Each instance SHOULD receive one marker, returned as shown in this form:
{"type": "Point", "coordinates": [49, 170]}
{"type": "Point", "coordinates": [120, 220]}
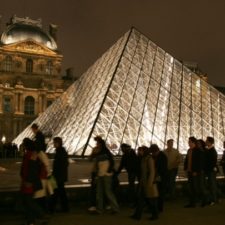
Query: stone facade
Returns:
{"type": "Point", "coordinates": [30, 74]}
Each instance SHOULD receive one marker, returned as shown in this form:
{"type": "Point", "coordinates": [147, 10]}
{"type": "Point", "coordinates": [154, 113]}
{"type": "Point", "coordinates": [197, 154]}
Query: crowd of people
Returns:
{"type": "Point", "coordinates": [8, 150]}
{"type": "Point", "coordinates": [151, 177]}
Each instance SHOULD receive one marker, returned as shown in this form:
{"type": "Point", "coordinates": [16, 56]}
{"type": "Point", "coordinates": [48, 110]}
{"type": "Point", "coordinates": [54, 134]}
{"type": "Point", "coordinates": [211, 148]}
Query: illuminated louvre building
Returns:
{"type": "Point", "coordinates": [30, 73]}
{"type": "Point", "coordinates": [135, 93]}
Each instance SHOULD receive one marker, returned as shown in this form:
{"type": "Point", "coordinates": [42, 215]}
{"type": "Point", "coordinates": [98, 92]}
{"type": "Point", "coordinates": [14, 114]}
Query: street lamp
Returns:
{"type": "Point", "coordinates": [3, 139]}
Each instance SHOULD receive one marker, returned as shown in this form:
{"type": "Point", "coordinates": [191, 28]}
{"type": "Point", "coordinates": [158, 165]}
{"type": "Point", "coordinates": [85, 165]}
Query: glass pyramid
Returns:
{"type": "Point", "coordinates": [138, 94]}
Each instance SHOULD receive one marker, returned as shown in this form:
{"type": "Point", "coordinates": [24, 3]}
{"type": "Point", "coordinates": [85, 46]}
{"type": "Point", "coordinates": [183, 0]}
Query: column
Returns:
{"type": "Point", "coordinates": [16, 102]}
{"type": "Point", "coordinates": [39, 104]}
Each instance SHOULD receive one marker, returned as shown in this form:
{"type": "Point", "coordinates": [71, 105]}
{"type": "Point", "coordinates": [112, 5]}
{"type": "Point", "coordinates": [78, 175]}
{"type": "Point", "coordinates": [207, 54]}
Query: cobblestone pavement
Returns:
{"type": "Point", "coordinates": [174, 214]}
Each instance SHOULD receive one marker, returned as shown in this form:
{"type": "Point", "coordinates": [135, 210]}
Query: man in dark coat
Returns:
{"type": "Point", "coordinates": [193, 165]}
{"type": "Point", "coordinates": [39, 138]}
{"type": "Point", "coordinates": [129, 162]}
{"type": "Point", "coordinates": [60, 172]}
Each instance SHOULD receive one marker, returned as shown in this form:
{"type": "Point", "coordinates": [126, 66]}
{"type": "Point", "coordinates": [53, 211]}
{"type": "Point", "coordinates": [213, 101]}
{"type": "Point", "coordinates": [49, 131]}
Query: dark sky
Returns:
{"type": "Point", "coordinates": [192, 30]}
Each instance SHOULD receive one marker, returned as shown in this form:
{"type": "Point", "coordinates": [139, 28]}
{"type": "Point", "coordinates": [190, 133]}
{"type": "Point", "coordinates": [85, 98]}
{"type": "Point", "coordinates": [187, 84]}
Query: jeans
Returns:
{"type": "Point", "coordinates": [196, 188]}
{"type": "Point", "coordinates": [171, 182]}
{"type": "Point", "coordinates": [60, 193]}
{"type": "Point", "coordinates": [152, 203]}
{"type": "Point", "coordinates": [131, 187]}
{"type": "Point", "coordinates": [104, 188]}
{"type": "Point", "coordinates": [212, 185]}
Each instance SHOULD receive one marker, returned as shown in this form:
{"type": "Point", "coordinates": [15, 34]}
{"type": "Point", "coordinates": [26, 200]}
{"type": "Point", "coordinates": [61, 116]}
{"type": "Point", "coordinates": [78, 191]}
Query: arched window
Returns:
{"type": "Point", "coordinates": [49, 67]}
{"type": "Point", "coordinates": [8, 63]}
{"type": "Point", "coordinates": [29, 105]}
{"type": "Point", "coordinates": [29, 66]}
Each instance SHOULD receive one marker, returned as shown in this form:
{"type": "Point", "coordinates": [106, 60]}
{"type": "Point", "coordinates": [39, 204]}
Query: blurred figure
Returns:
{"type": "Point", "coordinates": [174, 159]}
{"type": "Point", "coordinates": [147, 188]}
{"type": "Point", "coordinates": [161, 164]}
{"type": "Point", "coordinates": [60, 172]}
{"type": "Point", "coordinates": [129, 162]}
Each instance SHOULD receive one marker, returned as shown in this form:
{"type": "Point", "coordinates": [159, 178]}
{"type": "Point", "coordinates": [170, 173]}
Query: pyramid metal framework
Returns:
{"type": "Point", "coordinates": [136, 93]}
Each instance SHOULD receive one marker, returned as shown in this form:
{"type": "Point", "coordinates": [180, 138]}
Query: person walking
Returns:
{"type": "Point", "coordinates": [129, 161]}
{"type": "Point", "coordinates": [104, 170]}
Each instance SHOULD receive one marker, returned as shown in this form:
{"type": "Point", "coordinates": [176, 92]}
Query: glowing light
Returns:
{"type": "Point", "coordinates": [198, 83]}
{"type": "Point", "coordinates": [3, 139]}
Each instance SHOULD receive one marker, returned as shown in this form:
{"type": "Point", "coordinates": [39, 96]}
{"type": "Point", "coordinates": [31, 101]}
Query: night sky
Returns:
{"type": "Point", "coordinates": [191, 30]}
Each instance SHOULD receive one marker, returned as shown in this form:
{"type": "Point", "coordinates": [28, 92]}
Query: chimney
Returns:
{"type": "Point", "coordinates": [53, 31]}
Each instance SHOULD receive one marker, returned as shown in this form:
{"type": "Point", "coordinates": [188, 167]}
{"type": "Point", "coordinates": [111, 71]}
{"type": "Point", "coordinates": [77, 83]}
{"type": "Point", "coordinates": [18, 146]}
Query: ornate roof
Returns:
{"type": "Point", "coordinates": [21, 29]}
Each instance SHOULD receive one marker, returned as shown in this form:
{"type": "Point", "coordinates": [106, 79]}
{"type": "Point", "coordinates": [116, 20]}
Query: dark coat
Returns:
{"type": "Point", "coordinates": [147, 181]}
{"type": "Point", "coordinates": [161, 163]}
{"type": "Point", "coordinates": [39, 141]}
{"type": "Point", "coordinates": [222, 162]}
{"type": "Point", "coordinates": [60, 165]}
{"type": "Point", "coordinates": [197, 164]}
{"type": "Point", "coordinates": [210, 160]}
{"type": "Point", "coordinates": [129, 161]}
{"type": "Point", "coordinates": [29, 173]}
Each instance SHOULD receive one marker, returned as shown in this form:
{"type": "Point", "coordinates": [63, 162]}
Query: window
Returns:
{"type": "Point", "coordinates": [49, 67]}
{"type": "Point", "coordinates": [29, 66]}
{"type": "Point", "coordinates": [7, 64]}
{"type": "Point", "coordinates": [7, 104]}
{"type": "Point", "coordinates": [29, 105]}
